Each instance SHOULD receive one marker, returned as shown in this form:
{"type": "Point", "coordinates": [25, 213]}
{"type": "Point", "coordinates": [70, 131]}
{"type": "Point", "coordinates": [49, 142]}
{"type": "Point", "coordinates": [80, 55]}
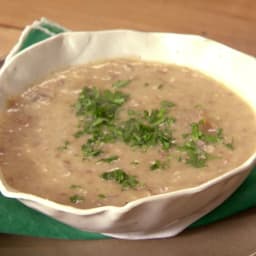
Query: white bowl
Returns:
{"type": "Point", "coordinates": [156, 216]}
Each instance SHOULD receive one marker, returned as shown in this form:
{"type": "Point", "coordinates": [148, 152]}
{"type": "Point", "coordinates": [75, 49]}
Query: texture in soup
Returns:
{"type": "Point", "coordinates": [111, 132]}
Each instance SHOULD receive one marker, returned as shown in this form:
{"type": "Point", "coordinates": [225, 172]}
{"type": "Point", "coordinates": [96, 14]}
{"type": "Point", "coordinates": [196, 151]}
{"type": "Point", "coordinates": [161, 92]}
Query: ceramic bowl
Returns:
{"type": "Point", "coordinates": [156, 216]}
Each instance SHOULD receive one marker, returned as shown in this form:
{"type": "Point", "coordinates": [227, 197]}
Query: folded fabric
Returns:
{"type": "Point", "coordinates": [15, 218]}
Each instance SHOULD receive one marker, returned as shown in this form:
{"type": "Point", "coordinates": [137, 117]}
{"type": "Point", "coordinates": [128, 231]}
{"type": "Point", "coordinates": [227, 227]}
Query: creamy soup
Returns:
{"type": "Point", "coordinates": [111, 132]}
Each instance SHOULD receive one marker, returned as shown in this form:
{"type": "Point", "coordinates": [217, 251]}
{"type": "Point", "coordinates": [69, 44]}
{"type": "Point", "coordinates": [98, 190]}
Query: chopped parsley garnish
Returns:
{"type": "Point", "coordinates": [195, 156]}
{"type": "Point", "coordinates": [99, 107]}
{"type": "Point", "coordinates": [137, 133]}
{"type": "Point", "coordinates": [195, 141]}
{"type": "Point", "coordinates": [109, 159]}
{"type": "Point", "coordinates": [154, 166]}
{"type": "Point", "coordinates": [157, 164]}
{"type": "Point", "coordinates": [150, 128]}
{"type": "Point", "coordinates": [120, 83]}
{"type": "Point", "coordinates": [198, 134]}
{"type": "Point", "coordinates": [90, 150]}
{"type": "Point", "coordinates": [75, 199]}
{"type": "Point", "coordinates": [121, 177]}
{"type": "Point", "coordinates": [98, 112]}
{"type": "Point", "coordinates": [230, 145]}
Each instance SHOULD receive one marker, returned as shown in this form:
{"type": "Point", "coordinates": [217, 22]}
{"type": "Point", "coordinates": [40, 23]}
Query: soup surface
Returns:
{"type": "Point", "coordinates": [111, 132]}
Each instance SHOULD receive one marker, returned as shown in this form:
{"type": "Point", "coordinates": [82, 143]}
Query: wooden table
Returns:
{"type": "Point", "coordinates": [232, 22]}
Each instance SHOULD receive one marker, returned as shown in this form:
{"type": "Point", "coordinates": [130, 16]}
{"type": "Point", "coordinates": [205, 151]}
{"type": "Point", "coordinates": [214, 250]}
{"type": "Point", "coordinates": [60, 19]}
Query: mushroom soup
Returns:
{"type": "Point", "coordinates": [111, 132]}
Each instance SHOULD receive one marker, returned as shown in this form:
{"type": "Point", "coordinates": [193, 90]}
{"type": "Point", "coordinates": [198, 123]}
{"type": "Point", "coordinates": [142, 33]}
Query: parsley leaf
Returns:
{"type": "Point", "coordinates": [109, 159]}
{"type": "Point", "coordinates": [121, 177]}
{"type": "Point", "coordinates": [90, 150]}
{"type": "Point", "coordinates": [75, 199]}
{"type": "Point", "coordinates": [93, 104]}
{"type": "Point", "coordinates": [154, 166]}
{"type": "Point", "coordinates": [195, 156]}
{"type": "Point", "coordinates": [198, 134]}
{"type": "Point", "coordinates": [149, 128]}
{"type": "Point", "coordinates": [157, 164]}
{"type": "Point", "coordinates": [230, 145]}
{"type": "Point", "coordinates": [98, 114]}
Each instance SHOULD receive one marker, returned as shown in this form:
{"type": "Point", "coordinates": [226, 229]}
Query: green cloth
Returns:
{"type": "Point", "coordinates": [15, 218]}
{"type": "Point", "coordinates": [43, 31]}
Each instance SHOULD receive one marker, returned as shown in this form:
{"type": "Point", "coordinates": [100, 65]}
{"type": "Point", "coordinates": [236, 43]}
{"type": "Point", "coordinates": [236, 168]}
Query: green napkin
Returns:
{"type": "Point", "coordinates": [15, 218]}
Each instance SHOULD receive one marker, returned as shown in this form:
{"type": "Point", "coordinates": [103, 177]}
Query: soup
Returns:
{"type": "Point", "coordinates": [111, 132]}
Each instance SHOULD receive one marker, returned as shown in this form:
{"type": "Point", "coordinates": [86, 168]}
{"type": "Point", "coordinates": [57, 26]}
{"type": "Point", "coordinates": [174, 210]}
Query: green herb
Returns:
{"type": "Point", "coordinates": [102, 196]}
{"type": "Point", "coordinates": [157, 116]}
{"type": "Point", "coordinates": [137, 133]}
{"type": "Point", "coordinates": [213, 138]}
{"type": "Point", "coordinates": [90, 150]}
{"type": "Point", "coordinates": [64, 146]}
{"type": "Point", "coordinates": [98, 114]}
{"type": "Point", "coordinates": [73, 186]}
{"type": "Point", "coordinates": [121, 177]}
{"type": "Point", "coordinates": [157, 164]}
{"type": "Point", "coordinates": [94, 104]}
{"type": "Point", "coordinates": [75, 199]}
{"type": "Point", "coordinates": [109, 159]}
{"type": "Point", "coordinates": [121, 83]}
{"type": "Point", "coordinates": [195, 156]}
{"type": "Point", "coordinates": [198, 134]}
{"type": "Point", "coordinates": [149, 128]}
{"type": "Point", "coordinates": [230, 145]}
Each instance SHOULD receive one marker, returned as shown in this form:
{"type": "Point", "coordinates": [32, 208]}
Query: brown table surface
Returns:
{"type": "Point", "coordinates": [232, 22]}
